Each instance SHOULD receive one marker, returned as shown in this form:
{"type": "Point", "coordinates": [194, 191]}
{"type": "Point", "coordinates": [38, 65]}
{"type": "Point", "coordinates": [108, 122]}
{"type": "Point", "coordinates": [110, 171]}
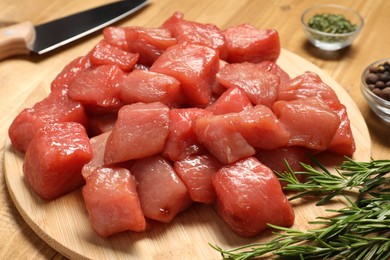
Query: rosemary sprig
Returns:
{"type": "Point", "coordinates": [361, 230]}
{"type": "Point", "coordinates": [368, 176]}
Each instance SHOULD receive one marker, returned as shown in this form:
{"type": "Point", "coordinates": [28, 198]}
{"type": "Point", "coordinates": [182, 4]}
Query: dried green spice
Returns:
{"type": "Point", "coordinates": [331, 23]}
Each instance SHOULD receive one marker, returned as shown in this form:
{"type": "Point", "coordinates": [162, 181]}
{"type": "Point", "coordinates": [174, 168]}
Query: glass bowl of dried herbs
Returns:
{"type": "Point", "coordinates": [331, 27]}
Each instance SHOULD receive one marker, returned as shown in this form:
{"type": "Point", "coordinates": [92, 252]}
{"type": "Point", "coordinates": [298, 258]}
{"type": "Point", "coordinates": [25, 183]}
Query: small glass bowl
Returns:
{"type": "Point", "coordinates": [380, 106]}
{"type": "Point", "coordinates": [331, 41]}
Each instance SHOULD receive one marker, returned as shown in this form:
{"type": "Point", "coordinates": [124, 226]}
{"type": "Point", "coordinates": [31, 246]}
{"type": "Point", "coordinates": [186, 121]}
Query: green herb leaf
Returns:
{"type": "Point", "coordinates": [331, 23]}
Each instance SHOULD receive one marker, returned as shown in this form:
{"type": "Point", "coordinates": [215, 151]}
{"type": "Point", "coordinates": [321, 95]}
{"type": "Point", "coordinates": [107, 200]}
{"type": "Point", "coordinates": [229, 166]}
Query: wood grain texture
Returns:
{"type": "Point", "coordinates": [16, 39]}
{"type": "Point", "coordinates": [24, 77]}
{"type": "Point", "coordinates": [63, 223]}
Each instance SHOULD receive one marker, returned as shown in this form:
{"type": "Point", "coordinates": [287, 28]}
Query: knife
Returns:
{"type": "Point", "coordinates": [24, 38]}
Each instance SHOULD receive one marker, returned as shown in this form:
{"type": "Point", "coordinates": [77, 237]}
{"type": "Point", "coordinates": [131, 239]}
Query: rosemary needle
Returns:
{"type": "Point", "coordinates": [361, 230]}
{"type": "Point", "coordinates": [368, 176]}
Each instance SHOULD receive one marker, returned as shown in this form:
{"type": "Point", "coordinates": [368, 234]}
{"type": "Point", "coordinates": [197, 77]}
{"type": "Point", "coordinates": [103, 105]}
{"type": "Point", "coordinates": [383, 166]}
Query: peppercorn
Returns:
{"type": "Point", "coordinates": [386, 93]}
{"type": "Point", "coordinates": [378, 80]}
{"type": "Point", "coordinates": [385, 76]}
{"type": "Point", "coordinates": [372, 69]}
{"type": "Point", "coordinates": [371, 78]}
{"type": "Point", "coordinates": [376, 91]}
{"type": "Point", "coordinates": [380, 84]}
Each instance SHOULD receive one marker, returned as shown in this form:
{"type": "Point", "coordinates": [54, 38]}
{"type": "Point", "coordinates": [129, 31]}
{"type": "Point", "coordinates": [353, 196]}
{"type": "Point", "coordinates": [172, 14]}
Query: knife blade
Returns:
{"type": "Point", "coordinates": [25, 38]}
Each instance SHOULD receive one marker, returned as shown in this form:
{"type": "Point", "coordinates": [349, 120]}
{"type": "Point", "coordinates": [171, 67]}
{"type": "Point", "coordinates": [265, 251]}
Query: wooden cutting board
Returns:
{"type": "Point", "coordinates": [63, 223]}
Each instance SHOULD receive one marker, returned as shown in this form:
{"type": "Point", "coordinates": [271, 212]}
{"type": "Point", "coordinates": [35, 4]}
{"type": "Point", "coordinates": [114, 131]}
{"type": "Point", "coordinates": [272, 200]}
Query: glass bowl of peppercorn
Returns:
{"type": "Point", "coordinates": [375, 88]}
{"type": "Point", "coordinates": [331, 27]}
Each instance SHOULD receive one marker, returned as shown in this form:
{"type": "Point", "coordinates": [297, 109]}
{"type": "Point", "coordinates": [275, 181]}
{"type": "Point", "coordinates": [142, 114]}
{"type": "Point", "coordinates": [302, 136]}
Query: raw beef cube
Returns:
{"type": "Point", "coordinates": [222, 138]}
{"type": "Point", "coordinates": [56, 107]}
{"type": "Point", "coordinates": [116, 36]}
{"type": "Point", "coordinates": [218, 89]}
{"type": "Point", "coordinates": [150, 43]}
{"type": "Point", "coordinates": [276, 159]}
{"type": "Point", "coordinates": [55, 157]}
{"type": "Point", "coordinates": [98, 88]}
{"type": "Point", "coordinates": [161, 192]}
{"type": "Point", "coordinates": [98, 145]}
{"type": "Point", "coordinates": [105, 54]}
{"type": "Point", "coordinates": [101, 123]}
{"type": "Point", "coordinates": [196, 172]}
{"type": "Point", "coordinates": [249, 197]}
{"type": "Point", "coordinates": [69, 73]}
{"type": "Point", "coordinates": [111, 198]}
{"type": "Point", "coordinates": [194, 66]}
{"type": "Point", "coordinates": [311, 122]}
{"type": "Point", "coordinates": [309, 85]}
{"type": "Point", "coordinates": [260, 86]}
{"type": "Point", "coordinates": [146, 86]}
{"type": "Point", "coordinates": [232, 100]}
{"type": "Point", "coordinates": [182, 140]}
{"type": "Point", "coordinates": [172, 21]}
{"type": "Point", "coordinates": [343, 142]}
{"type": "Point", "coordinates": [140, 131]}
{"type": "Point", "coordinates": [200, 33]}
{"type": "Point", "coordinates": [273, 68]}
{"type": "Point", "coordinates": [247, 43]}
{"type": "Point", "coordinates": [260, 127]}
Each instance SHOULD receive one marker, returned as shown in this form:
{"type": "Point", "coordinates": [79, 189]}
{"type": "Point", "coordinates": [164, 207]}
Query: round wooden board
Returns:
{"type": "Point", "coordinates": [63, 223]}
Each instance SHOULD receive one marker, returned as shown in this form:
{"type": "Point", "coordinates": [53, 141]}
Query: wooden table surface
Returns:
{"type": "Point", "coordinates": [19, 76]}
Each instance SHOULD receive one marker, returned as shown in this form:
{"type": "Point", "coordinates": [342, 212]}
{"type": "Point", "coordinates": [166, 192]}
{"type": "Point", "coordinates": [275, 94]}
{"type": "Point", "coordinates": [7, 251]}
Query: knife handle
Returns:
{"type": "Point", "coordinates": [16, 39]}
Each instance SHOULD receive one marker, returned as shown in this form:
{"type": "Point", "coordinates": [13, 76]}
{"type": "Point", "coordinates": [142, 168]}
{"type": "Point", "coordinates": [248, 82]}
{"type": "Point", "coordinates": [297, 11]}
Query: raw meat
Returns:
{"type": "Point", "coordinates": [105, 54]}
{"type": "Point", "coordinates": [56, 107]}
{"type": "Point", "coordinates": [55, 157]}
{"type": "Point", "coordinates": [247, 43]}
{"type": "Point", "coordinates": [101, 123]}
{"type": "Point", "coordinates": [146, 86]}
{"type": "Point", "coordinates": [309, 85]}
{"type": "Point", "coordinates": [276, 159]}
{"type": "Point", "coordinates": [222, 138]}
{"type": "Point", "coordinates": [182, 140]}
{"type": "Point", "coordinates": [161, 192]}
{"type": "Point", "coordinates": [311, 122]}
{"type": "Point", "coordinates": [343, 142]}
{"type": "Point", "coordinates": [217, 88]}
{"type": "Point", "coordinates": [259, 85]}
{"type": "Point", "coordinates": [196, 173]}
{"type": "Point", "coordinates": [260, 127]}
{"type": "Point", "coordinates": [249, 197]}
{"type": "Point", "coordinates": [112, 201]}
{"type": "Point", "coordinates": [182, 113]}
{"type": "Point", "coordinates": [199, 33]}
{"type": "Point", "coordinates": [98, 88]}
{"type": "Point", "coordinates": [98, 145]}
{"type": "Point", "coordinates": [69, 73]}
{"type": "Point", "coordinates": [273, 68]}
{"type": "Point", "coordinates": [194, 66]}
{"type": "Point", "coordinates": [116, 36]}
{"type": "Point", "coordinates": [232, 100]}
{"type": "Point", "coordinates": [233, 136]}
{"type": "Point", "coordinates": [150, 43]}
{"type": "Point", "coordinates": [139, 132]}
